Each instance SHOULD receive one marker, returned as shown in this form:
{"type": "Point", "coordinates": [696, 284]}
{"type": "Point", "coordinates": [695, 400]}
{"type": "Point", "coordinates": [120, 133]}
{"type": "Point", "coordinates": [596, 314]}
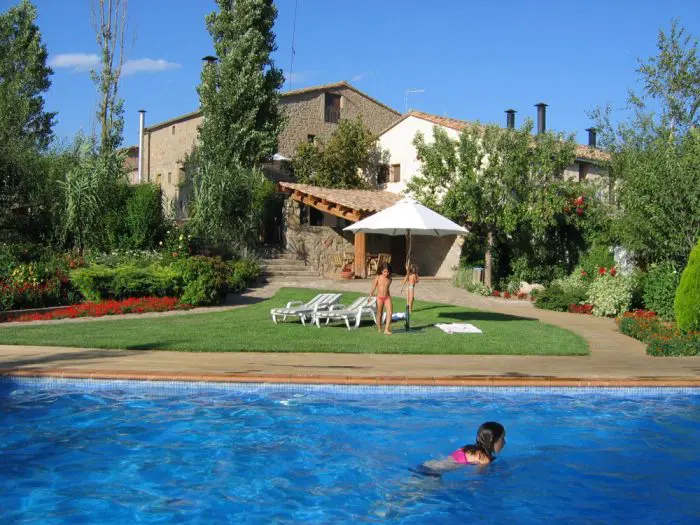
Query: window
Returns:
{"type": "Point", "coordinates": [395, 173]}
{"type": "Point", "coordinates": [173, 130]}
{"type": "Point", "coordinates": [311, 139]}
{"type": "Point", "coordinates": [303, 214]}
{"type": "Point", "coordinates": [383, 174]}
{"type": "Point", "coordinates": [158, 177]}
{"type": "Point", "coordinates": [332, 108]}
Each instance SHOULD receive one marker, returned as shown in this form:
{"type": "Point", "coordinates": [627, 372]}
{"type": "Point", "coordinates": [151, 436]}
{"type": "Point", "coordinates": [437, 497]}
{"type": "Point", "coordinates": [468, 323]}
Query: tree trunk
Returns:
{"type": "Point", "coordinates": [488, 259]}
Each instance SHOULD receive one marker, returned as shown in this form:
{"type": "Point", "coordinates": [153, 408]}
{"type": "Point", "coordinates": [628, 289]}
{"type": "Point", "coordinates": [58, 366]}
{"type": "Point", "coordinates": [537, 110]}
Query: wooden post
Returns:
{"type": "Point", "coordinates": [361, 255]}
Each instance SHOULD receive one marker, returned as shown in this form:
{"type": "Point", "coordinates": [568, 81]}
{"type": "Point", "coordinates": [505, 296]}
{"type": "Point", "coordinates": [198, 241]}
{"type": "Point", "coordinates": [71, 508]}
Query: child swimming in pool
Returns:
{"type": "Point", "coordinates": [381, 284]}
{"type": "Point", "coordinates": [490, 440]}
{"type": "Point", "coordinates": [412, 280]}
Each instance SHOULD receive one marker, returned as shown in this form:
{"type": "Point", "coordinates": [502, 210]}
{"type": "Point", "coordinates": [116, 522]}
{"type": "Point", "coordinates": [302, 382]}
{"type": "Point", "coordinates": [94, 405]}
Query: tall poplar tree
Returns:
{"type": "Point", "coordinates": [239, 92]}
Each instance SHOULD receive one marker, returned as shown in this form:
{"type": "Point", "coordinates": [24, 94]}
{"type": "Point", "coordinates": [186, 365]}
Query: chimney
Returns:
{"type": "Point", "coordinates": [592, 142]}
{"type": "Point", "coordinates": [510, 118]}
{"type": "Point", "coordinates": [142, 121]}
{"type": "Point", "coordinates": [208, 60]}
{"type": "Point", "coordinates": [541, 117]}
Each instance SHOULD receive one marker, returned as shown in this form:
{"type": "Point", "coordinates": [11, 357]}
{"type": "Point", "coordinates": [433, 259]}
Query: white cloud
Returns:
{"type": "Point", "coordinates": [86, 62]}
{"type": "Point", "coordinates": [357, 78]}
{"type": "Point", "coordinates": [148, 65]}
{"type": "Point", "coordinates": [75, 61]}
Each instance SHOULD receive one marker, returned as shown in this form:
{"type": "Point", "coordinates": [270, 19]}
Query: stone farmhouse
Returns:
{"type": "Point", "coordinates": [308, 221]}
{"type": "Point", "coordinates": [313, 113]}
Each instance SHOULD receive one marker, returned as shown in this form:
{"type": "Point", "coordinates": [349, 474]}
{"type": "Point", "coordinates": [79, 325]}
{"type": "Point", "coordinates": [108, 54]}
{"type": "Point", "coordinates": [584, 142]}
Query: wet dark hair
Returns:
{"type": "Point", "coordinates": [486, 438]}
{"type": "Point", "coordinates": [412, 268]}
{"type": "Point", "coordinates": [382, 267]}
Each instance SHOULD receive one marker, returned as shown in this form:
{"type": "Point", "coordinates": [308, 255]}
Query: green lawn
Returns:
{"type": "Point", "coordinates": [250, 329]}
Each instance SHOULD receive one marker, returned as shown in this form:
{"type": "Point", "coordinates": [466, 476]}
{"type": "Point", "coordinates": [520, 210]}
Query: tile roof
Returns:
{"type": "Point", "coordinates": [335, 85]}
{"type": "Point", "coordinates": [582, 152]}
{"type": "Point", "coordinates": [363, 201]}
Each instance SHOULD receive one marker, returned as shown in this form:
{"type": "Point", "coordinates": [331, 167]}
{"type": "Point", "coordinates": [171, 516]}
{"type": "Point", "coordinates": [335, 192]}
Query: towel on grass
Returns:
{"type": "Point", "coordinates": [458, 328]}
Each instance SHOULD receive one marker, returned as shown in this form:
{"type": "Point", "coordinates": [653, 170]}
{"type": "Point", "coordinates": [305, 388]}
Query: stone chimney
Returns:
{"type": "Point", "coordinates": [510, 118]}
{"type": "Point", "coordinates": [541, 117]}
{"type": "Point", "coordinates": [592, 142]}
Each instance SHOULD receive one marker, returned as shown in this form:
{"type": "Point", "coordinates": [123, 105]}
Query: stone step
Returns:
{"type": "Point", "coordinates": [293, 273]}
{"type": "Point", "coordinates": [285, 267]}
{"type": "Point", "coordinates": [281, 262]}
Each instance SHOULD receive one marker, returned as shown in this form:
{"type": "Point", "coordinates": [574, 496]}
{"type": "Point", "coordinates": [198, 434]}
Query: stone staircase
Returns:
{"type": "Point", "coordinates": [286, 266]}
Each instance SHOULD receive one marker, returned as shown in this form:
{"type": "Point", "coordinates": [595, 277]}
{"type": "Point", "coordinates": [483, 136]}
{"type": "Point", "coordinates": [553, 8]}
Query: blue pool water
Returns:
{"type": "Point", "coordinates": [121, 452]}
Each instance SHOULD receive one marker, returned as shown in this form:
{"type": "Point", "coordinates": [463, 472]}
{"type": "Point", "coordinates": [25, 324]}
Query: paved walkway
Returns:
{"type": "Point", "coordinates": [614, 358]}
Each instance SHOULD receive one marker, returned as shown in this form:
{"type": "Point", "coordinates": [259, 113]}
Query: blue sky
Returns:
{"type": "Point", "coordinates": [472, 59]}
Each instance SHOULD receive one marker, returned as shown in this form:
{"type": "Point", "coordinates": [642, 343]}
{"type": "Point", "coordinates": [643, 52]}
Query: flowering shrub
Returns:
{"type": "Point", "coordinates": [177, 243]}
{"type": "Point", "coordinates": [662, 338]}
{"type": "Point", "coordinates": [117, 258]}
{"type": "Point", "coordinates": [679, 345]}
{"type": "Point", "coordinates": [36, 285]}
{"type": "Point", "coordinates": [496, 293]}
{"type": "Point", "coordinates": [581, 308]}
{"type": "Point", "coordinates": [521, 295]}
{"type": "Point", "coordinates": [610, 295]}
{"type": "Point", "coordinates": [555, 298]}
{"type": "Point", "coordinates": [99, 309]}
{"type": "Point", "coordinates": [506, 295]}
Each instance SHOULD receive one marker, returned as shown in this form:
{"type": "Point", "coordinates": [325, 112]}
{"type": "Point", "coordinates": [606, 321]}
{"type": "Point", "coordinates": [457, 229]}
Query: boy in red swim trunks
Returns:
{"type": "Point", "coordinates": [382, 283]}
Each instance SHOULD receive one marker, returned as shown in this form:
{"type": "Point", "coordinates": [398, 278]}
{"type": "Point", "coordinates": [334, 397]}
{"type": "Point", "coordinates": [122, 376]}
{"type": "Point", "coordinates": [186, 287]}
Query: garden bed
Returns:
{"type": "Point", "coordinates": [98, 309]}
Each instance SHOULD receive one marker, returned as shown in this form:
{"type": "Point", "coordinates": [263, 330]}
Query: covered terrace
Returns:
{"type": "Point", "coordinates": [315, 217]}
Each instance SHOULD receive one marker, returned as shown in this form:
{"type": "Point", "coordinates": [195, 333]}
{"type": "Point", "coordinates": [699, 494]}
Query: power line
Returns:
{"type": "Point", "coordinates": [294, 29]}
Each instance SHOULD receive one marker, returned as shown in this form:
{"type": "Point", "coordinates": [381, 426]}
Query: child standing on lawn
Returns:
{"type": "Point", "coordinates": [381, 284]}
{"type": "Point", "coordinates": [412, 280]}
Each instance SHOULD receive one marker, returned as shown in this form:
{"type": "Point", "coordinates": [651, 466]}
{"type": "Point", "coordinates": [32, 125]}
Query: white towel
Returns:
{"type": "Point", "coordinates": [458, 328]}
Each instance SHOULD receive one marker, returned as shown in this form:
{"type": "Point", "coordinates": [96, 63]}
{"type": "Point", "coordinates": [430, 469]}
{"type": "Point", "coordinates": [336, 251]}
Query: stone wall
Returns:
{"type": "Point", "coordinates": [315, 245]}
{"type": "Point", "coordinates": [436, 256]}
{"type": "Point", "coordinates": [305, 113]}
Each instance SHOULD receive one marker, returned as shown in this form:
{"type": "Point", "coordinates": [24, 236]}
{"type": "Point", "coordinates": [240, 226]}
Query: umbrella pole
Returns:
{"type": "Point", "coordinates": [407, 323]}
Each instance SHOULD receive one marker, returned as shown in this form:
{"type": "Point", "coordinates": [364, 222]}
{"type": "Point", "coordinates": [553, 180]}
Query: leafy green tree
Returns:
{"type": "Point", "coordinates": [25, 126]}
{"type": "Point", "coordinates": [656, 154]}
{"type": "Point", "coordinates": [345, 161]}
{"type": "Point", "coordinates": [500, 180]}
{"type": "Point", "coordinates": [240, 91]}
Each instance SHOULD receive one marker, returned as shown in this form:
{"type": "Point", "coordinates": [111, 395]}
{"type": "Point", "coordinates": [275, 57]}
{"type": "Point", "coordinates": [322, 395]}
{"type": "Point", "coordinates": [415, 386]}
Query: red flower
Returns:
{"type": "Point", "coordinates": [601, 271]}
{"type": "Point", "coordinates": [174, 254]}
{"type": "Point", "coordinates": [579, 211]}
{"type": "Point", "coordinates": [613, 271]}
{"type": "Point", "coordinates": [579, 201]}
{"type": "Point", "coordinates": [583, 273]}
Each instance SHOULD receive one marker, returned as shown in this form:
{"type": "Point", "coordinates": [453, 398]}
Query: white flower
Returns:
{"type": "Point", "coordinates": [160, 243]}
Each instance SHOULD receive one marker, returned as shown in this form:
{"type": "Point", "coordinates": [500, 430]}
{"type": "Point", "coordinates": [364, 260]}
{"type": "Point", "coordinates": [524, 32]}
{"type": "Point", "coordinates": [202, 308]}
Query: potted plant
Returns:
{"type": "Point", "coordinates": [346, 272]}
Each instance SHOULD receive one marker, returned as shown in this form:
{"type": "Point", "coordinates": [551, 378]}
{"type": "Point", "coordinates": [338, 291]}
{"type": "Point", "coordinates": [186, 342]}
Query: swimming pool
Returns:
{"type": "Point", "coordinates": [124, 452]}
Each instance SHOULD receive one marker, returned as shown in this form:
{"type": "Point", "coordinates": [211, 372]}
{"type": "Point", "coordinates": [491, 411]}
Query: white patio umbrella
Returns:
{"type": "Point", "coordinates": [407, 217]}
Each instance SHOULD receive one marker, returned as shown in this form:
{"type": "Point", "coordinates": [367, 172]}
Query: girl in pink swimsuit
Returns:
{"type": "Point", "coordinates": [381, 284]}
{"type": "Point", "coordinates": [490, 440]}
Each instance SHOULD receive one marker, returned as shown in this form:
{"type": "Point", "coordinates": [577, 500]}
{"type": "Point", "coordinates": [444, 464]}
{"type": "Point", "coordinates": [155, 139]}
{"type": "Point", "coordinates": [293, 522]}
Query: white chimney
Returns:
{"type": "Point", "coordinates": [142, 120]}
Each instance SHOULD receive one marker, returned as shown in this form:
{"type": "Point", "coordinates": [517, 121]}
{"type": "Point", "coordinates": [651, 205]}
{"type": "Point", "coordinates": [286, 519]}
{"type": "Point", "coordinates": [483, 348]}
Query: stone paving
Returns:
{"type": "Point", "coordinates": [613, 357]}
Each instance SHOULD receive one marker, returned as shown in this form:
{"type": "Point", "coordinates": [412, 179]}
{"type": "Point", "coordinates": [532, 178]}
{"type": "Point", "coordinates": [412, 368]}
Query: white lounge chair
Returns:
{"type": "Point", "coordinates": [306, 310]}
{"type": "Point", "coordinates": [350, 314]}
